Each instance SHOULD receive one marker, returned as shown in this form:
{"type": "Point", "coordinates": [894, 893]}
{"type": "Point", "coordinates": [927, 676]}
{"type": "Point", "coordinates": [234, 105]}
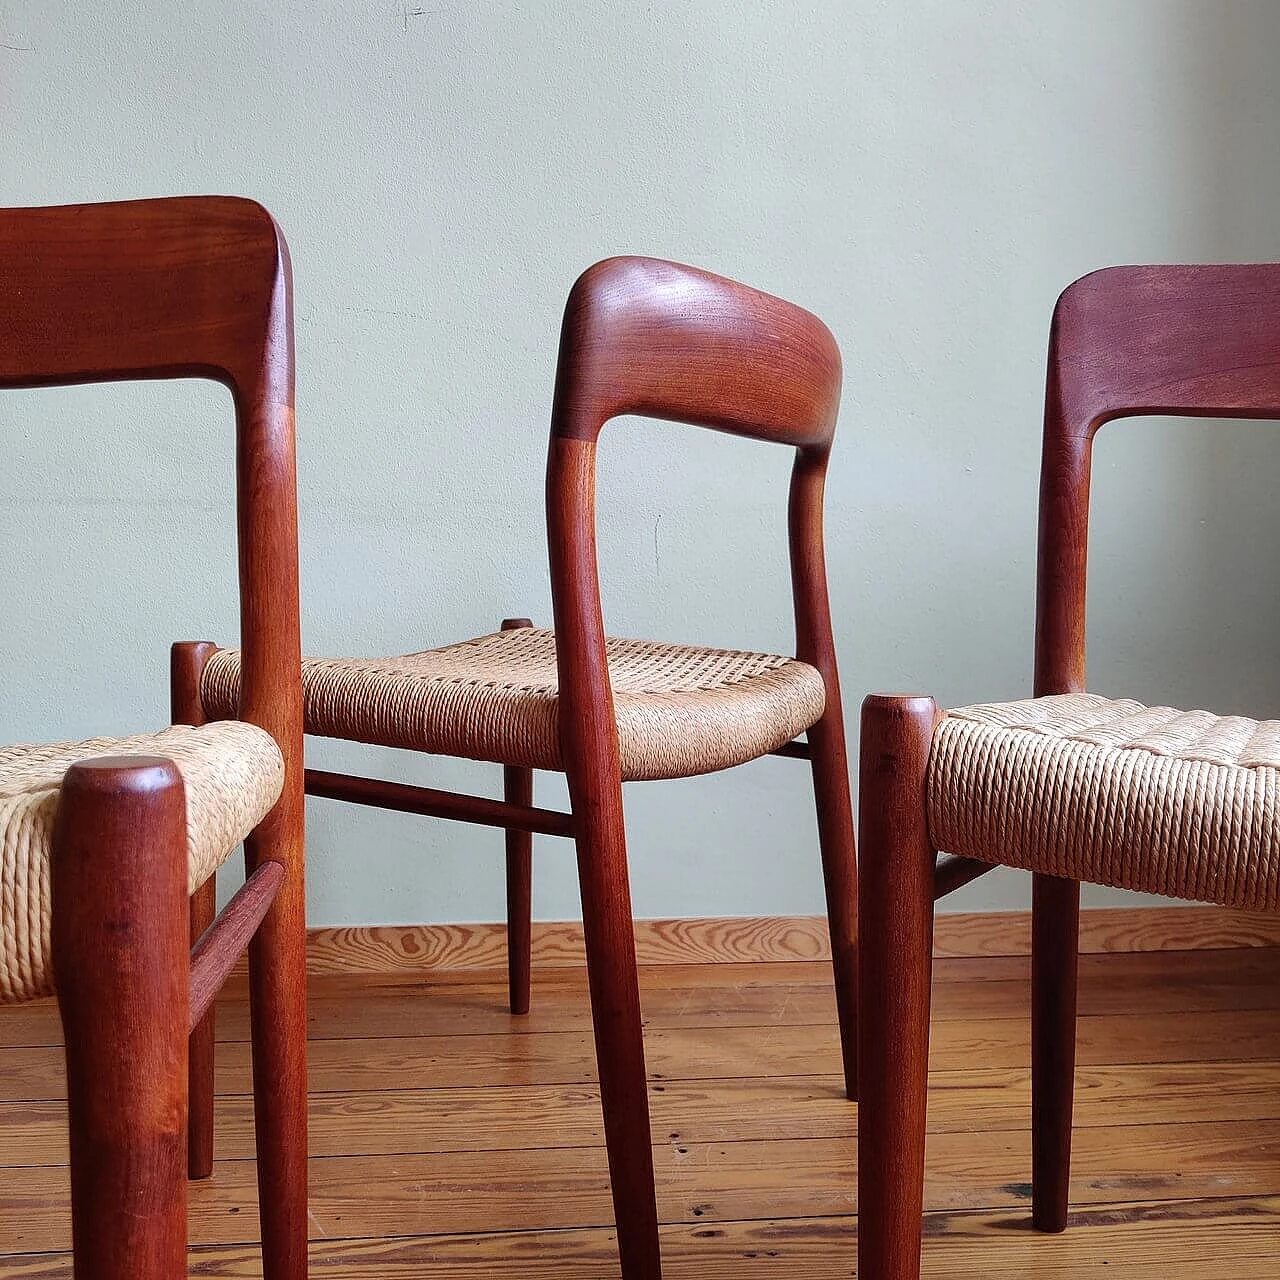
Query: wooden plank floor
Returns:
{"type": "Point", "coordinates": [450, 1139]}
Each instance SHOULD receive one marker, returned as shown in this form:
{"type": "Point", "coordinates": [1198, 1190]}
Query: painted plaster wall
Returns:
{"type": "Point", "coordinates": [925, 176]}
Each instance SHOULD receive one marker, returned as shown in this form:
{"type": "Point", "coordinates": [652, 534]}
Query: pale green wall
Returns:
{"type": "Point", "coordinates": [925, 176]}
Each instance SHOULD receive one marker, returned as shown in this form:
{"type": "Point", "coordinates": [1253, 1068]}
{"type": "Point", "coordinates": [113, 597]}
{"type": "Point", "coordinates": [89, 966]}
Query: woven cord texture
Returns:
{"type": "Point", "coordinates": [232, 772]}
{"type": "Point", "coordinates": [680, 710]}
{"type": "Point", "coordinates": [1116, 793]}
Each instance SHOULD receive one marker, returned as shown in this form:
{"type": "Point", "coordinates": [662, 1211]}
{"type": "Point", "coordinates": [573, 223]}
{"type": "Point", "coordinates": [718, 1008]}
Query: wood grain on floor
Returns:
{"type": "Point", "coordinates": [451, 1139]}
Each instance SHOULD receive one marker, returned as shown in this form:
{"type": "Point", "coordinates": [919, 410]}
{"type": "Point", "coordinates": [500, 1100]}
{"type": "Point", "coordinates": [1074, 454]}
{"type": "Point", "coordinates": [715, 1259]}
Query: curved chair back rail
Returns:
{"type": "Point", "coordinates": [1193, 341]}
{"type": "Point", "coordinates": [643, 336]}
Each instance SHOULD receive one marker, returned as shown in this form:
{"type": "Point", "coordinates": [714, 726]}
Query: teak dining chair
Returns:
{"type": "Point", "coordinates": [1068, 785]}
{"type": "Point", "coordinates": [103, 841]}
{"type": "Point", "coordinates": [640, 337]}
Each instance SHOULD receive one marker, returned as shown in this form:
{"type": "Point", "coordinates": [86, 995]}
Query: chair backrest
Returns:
{"type": "Point", "coordinates": [1196, 341]}
{"type": "Point", "coordinates": [667, 341]}
{"type": "Point", "coordinates": [188, 287]}
{"type": "Point", "coordinates": [643, 336]}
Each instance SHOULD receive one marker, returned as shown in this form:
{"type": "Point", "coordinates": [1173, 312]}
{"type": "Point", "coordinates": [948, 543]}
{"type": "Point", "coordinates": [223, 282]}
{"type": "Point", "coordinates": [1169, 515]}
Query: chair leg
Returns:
{"type": "Point", "coordinates": [1055, 930]}
{"type": "Point", "coordinates": [895, 965]}
{"type": "Point", "coordinates": [615, 1012]}
{"type": "Point", "coordinates": [840, 877]}
{"type": "Point", "coordinates": [119, 882]}
{"type": "Point", "coordinates": [187, 661]}
{"type": "Point", "coordinates": [517, 788]}
{"type": "Point", "coordinates": [200, 1052]}
{"type": "Point", "coordinates": [278, 1027]}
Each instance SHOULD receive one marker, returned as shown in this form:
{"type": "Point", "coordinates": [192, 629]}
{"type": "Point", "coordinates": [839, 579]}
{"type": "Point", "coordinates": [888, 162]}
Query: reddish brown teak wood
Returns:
{"type": "Point", "coordinates": [896, 906]}
{"type": "Point", "coordinates": [119, 878]}
{"type": "Point", "coordinates": [517, 789]}
{"type": "Point", "coordinates": [186, 665]}
{"type": "Point", "coordinates": [194, 287]}
{"type": "Point", "coordinates": [1197, 341]}
{"type": "Point", "coordinates": [642, 336]}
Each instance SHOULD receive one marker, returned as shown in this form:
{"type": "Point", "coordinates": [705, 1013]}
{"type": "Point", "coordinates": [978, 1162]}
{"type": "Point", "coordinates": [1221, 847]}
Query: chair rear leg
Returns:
{"type": "Point", "coordinates": [119, 881]}
{"type": "Point", "coordinates": [517, 788]}
{"type": "Point", "coordinates": [840, 877]}
{"type": "Point", "coordinates": [187, 661]}
{"type": "Point", "coordinates": [1055, 933]}
{"type": "Point", "coordinates": [895, 966]}
{"type": "Point", "coordinates": [615, 1012]}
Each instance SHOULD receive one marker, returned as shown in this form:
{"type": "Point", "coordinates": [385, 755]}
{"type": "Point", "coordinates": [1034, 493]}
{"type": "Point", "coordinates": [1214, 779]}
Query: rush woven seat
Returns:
{"type": "Point", "coordinates": [232, 774]}
{"type": "Point", "coordinates": [680, 710]}
{"type": "Point", "coordinates": [1183, 803]}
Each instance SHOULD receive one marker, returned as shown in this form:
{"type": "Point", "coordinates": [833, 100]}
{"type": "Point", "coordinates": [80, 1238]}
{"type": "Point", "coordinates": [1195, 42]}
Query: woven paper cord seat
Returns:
{"type": "Point", "coordinates": [232, 772]}
{"type": "Point", "coordinates": [1182, 803]}
{"type": "Point", "coordinates": [680, 710]}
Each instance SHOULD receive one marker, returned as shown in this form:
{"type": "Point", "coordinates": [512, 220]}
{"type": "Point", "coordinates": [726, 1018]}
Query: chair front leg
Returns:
{"type": "Point", "coordinates": [840, 877]}
{"type": "Point", "coordinates": [1055, 934]}
{"type": "Point", "coordinates": [895, 966]}
{"type": "Point", "coordinates": [615, 1013]}
{"type": "Point", "coordinates": [119, 881]}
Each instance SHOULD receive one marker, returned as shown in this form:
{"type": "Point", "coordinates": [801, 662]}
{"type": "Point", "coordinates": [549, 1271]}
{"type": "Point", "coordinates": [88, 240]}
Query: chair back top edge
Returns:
{"type": "Point", "coordinates": [1190, 340]}
{"type": "Point", "coordinates": [660, 339]}
{"type": "Point", "coordinates": [190, 286]}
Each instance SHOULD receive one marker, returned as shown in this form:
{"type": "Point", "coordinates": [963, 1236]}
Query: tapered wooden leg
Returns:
{"type": "Point", "coordinates": [278, 1026]}
{"type": "Point", "coordinates": [119, 882]}
{"type": "Point", "coordinates": [615, 1012]}
{"type": "Point", "coordinates": [840, 877]}
{"type": "Point", "coordinates": [517, 788]}
{"type": "Point", "coordinates": [1055, 931]}
{"type": "Point", "coordinates": [186, 666]}
{"type": "Point", "coordinates": [593, 769]}
{"type": "Point", "coordinates": [200, 1051]}
{"type": "Point", "coordinates": [895, 964]}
